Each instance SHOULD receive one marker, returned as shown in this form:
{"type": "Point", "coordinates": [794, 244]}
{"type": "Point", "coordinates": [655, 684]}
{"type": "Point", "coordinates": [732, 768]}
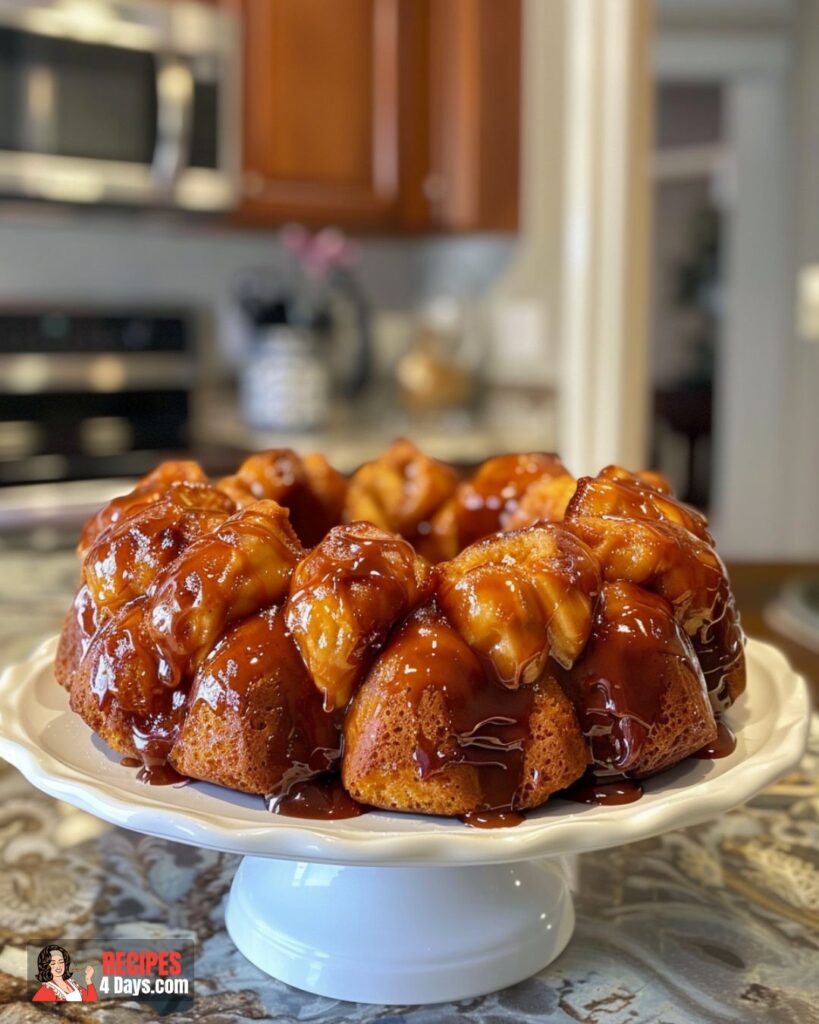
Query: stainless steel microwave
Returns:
{"type": "Point", "coordinates": [120, 101]}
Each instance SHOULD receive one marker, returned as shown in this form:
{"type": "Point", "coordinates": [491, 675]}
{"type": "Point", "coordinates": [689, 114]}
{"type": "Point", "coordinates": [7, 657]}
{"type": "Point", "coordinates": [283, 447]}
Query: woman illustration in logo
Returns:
{"type": "Point", "coordinates": [54, 971]}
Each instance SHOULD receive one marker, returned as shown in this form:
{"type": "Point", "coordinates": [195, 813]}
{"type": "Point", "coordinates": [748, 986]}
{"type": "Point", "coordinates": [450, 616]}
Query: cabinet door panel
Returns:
{"type": "Point", "coordinates": [321, 109]}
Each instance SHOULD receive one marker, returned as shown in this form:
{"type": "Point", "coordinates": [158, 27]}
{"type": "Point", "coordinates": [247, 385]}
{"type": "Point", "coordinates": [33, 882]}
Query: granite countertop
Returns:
{"type": "Point", "coordinates": [714, 923]}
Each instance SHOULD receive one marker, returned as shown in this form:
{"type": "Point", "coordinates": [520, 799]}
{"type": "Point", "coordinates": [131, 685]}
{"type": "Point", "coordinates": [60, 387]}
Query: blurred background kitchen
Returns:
{"type": "Point", "coordinates": [582, 225]}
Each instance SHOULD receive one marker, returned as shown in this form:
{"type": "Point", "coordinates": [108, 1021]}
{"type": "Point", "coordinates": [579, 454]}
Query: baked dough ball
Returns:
{"type": "Point", "coordinates": [345, 596]}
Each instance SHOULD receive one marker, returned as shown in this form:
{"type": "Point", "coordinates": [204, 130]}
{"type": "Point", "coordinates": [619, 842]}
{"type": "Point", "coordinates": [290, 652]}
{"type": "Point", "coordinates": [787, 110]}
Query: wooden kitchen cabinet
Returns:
{"type": "Point", "coordinates": [381, 114]}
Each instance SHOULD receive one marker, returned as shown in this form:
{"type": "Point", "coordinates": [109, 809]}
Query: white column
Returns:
{"type": "Point", "coordinates": [751, 435]}
{"type": "Point", "coordinates": [603, 298]}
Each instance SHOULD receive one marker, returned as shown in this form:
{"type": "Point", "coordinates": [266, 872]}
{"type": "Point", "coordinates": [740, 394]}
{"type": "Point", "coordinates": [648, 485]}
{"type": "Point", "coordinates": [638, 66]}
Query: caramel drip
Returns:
{"type": "Point", "coordinates": [720, 647]}
{"type": "Point", "coordinates": [125, 679]}
{"type": "Point", "coordinates": [619, 683]}
{"type": "Point", "coordinates": [486, 725]}
{"type": "Point", "coordinates": [255, 672]}
{"type": "Point", "coordinates": [666, 558]}
{"type": "Point", "coordinates": [154, 774]}
{"type": "Point", "coordinates": [723, 746]}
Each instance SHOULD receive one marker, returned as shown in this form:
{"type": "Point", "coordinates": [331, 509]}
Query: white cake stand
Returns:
{"type": "Point", "coordinates": [392, 908]}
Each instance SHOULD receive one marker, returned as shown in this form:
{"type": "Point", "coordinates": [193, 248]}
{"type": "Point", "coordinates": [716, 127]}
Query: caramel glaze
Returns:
{"type": "Point", "coordinates": [148, 490]}
{"type": "Point", "coordinates": [632, 497]}
{"type": "Point", "coordinates": [483, 503]}
{"type": "Point", "coordinates": [255, 673]}
{"type": "Point", "coordinates": [400, 491]}
{"type": "Point", "coordinates": [647, 477]}
{"type": "Point", "coordinates": [243, 565]}
{"type": "Point", "coordinates": [125, 677]}
{"type": "Point", "coordinates": [145, 653]}
{"type": "Point", "coordinates": [487, 725]}
{"type": "Point", "coordinates": [129, 555]}
{"type": "Point", "coordinates": [619, 683]}
{"type": "Point", "coordinates": [323, 799]}
{"type": "Point", "coordinates": [663, 556]}
{"type": "Point", "coordinates": [518, 597]}
{"type": "Point", "coordinates": [720, 646]}
{"type": "Point", "coordinates": [723, 746]}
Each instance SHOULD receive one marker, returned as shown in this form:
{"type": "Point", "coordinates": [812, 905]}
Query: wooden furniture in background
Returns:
{"type": "Point", "coordinates": [391, 114]}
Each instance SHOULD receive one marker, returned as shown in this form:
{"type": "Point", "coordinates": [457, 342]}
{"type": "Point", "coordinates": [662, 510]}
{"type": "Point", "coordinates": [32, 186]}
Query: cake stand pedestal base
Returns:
{"type": "Point", "coordinates": [400, 934]}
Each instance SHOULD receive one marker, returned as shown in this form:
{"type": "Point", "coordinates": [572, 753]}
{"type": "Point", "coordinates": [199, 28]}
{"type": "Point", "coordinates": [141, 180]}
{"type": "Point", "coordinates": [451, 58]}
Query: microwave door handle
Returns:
{"type": "Point", "coordinates": [174, 92]}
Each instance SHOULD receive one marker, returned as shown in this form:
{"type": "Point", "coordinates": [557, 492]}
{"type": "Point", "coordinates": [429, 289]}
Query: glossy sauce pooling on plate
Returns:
{"type": "Point", "coordinates": [723, 746]}
{"type": "Point", "coordinates": [493, 819]}
{"type": "Point", "coordinates": [604, 792]}
{"type": "Point", "coordinates": [322, 799]}
{"type": "Point", "coordinates": [486, 725]}
{"type": "Point", "coordinates": [161, 774]}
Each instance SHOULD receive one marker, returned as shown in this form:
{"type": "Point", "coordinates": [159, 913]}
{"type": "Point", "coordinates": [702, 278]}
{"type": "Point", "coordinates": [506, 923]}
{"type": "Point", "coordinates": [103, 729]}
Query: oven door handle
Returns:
{"type": "Point", "coordinates": [174, 94]}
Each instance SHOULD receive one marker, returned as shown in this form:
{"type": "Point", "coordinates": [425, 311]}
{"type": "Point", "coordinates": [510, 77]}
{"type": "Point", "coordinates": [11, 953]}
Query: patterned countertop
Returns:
{"type": "Point", "coordinates": [715, 923]}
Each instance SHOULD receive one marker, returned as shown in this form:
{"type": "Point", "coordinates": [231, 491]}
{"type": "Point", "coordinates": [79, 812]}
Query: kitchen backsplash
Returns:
{"type": "Point", "coordinates": [54, 257]}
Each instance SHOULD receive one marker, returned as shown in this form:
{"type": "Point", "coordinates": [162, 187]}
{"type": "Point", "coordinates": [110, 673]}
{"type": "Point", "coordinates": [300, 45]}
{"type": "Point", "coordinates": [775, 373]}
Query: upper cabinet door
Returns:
{"type": "Point", "coordinates": [474, 114]}
{"type": "Point", "coordinates": [382, 114]}
{"type": "Point", "coordinates": [321, 133]}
